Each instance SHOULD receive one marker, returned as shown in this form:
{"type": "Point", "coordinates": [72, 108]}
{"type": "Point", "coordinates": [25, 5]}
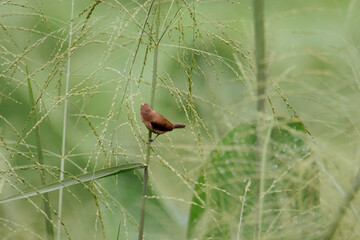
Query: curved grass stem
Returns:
{"type": "Point", "coordinates": [342, 208]}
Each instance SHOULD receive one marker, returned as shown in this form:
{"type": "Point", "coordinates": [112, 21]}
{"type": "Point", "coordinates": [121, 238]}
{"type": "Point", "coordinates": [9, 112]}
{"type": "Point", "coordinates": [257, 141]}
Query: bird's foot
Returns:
{"type": "Point", "coordinates": [151, 140]}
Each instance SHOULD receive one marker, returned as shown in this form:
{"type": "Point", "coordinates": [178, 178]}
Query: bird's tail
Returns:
{"type": "Point", "coordinates": [178, 125]}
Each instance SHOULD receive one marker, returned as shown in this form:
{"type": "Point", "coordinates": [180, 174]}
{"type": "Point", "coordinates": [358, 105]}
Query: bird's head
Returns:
{"type": "Point", "coordinates": [145, 107]}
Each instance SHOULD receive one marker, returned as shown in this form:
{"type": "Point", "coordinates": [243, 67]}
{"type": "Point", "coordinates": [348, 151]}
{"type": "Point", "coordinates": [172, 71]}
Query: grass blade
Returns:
{"type": "Point", "coordinates": [48, 220]}
{"type": "Point", "coordinates": [107, 172]}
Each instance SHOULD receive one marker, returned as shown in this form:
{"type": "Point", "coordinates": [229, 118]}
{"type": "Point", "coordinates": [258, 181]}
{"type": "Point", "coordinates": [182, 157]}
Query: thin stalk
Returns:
{"type": "Point", "coordinates": [261, 90]}
{"type": "Point", "coordinates": [242, 209]}
{"type": "Point", "coordinates": [62, 164]}
{"type": "Point", "coordinates": [262, 179]}
{"type": "Point", "coordinates": [142, 217]}
{"type": "Point", "coordinates": [156, 53]}
{"type": "Point", "coordinates": [260, 54]}
{"type": "Point", "coordinates": [341, 211]}
{"type": "Point", "coordinates": [118, 232]}
{"type": "Point", "coordinates": [48, 219]}
{"type": "Point", "coordinates": [140, 37]}
{"type": "Point", "coordinates": [152, 102]}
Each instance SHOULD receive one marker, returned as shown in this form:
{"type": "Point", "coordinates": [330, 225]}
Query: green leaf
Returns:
{"type": "Point", "coordinates": [220, 188]}
{"type": "Point", "coordinates": [107, 172]}
{"type": "Point", "coordinates": [48, 218]}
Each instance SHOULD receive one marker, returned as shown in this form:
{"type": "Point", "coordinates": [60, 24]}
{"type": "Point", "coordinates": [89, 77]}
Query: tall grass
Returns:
{"type": "Point", "coordinates": [268, 92]}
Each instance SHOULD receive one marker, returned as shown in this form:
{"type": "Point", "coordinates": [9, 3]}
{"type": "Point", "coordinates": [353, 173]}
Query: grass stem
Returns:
{"type": "Point", "coordinates": [62, 164]}
{"type": "Point", "coordinates": [261, 89]}
{"type": "Point", "coordinates": [264, 153]}
{"type": "Point", "coordinates": [242, 209]}
{"type": "Point", "coordinates": [143, 203]}
{"type": "Point", "coordinates": [152, 102]}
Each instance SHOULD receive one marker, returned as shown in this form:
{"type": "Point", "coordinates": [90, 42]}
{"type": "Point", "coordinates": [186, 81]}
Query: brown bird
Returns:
{"type": "Point", "coordinates": [155, 122]}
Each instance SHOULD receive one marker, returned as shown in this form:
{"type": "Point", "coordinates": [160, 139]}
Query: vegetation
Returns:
{"type": "Point", "coordinates": [268, 91]}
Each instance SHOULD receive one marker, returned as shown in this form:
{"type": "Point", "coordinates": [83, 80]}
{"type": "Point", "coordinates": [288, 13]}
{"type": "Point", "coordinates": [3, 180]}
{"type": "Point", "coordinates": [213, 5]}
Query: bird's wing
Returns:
{"type": "Point", "coordinates": [160, 123]}
{"type": "Point", "coordinates": [163, 126]}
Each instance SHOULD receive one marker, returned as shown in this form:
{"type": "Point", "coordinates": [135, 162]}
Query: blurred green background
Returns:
{"type": "Point", "coordinates": [205, 79]}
